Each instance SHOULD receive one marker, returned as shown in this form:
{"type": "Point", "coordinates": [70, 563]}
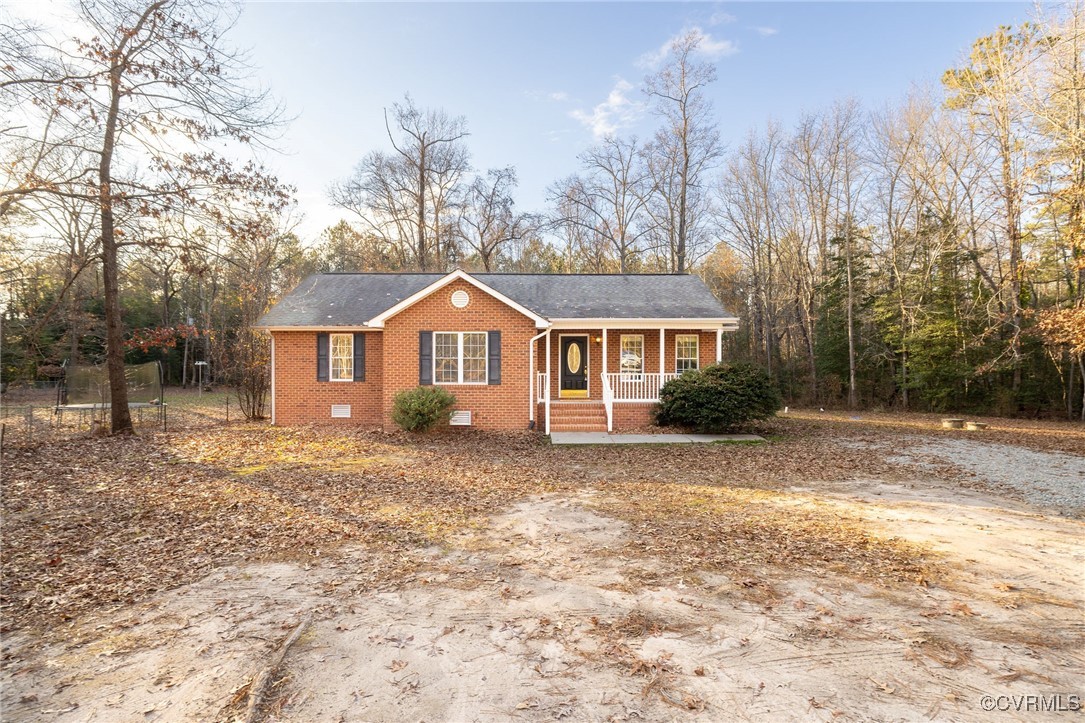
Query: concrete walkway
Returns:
{"type": "Point", "coordinates": [605, 438]}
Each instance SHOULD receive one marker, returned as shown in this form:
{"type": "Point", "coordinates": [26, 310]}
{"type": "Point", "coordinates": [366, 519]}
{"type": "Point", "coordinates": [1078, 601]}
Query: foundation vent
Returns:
{"type": "Point", "coordinates": [460, 419]}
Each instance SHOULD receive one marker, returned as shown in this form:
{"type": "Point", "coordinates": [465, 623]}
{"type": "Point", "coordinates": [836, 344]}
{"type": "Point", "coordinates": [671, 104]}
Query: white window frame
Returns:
{"type": "Point", "coordinates": [696, 355]}
{"type": "Point", "coordinates": [459, 359]}
{"type": "Point", "coordinates": [621, 350]}
{"type": "Point", "coordinates": [331, 358]}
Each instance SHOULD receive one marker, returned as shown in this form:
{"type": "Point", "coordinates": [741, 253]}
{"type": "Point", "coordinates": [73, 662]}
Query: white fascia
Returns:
{"type": "Point", "coordinates": [332, 329]}
{"type": "Point", "coordinates": [726, 323]}
{"type": "Point", "coordinates": [377, 321]}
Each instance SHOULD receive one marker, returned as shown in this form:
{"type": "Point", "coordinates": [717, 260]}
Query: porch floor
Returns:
{"type": "Point", "coordinates": [607, 438]}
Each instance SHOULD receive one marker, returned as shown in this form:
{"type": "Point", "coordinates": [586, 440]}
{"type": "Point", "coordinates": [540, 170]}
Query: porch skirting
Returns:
{"type": "Point", "coordinates": [631, 415]}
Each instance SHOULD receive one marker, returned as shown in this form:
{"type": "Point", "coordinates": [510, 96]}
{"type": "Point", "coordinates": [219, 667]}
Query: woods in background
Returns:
{"type": "Point", "coordinates": [927, 256]}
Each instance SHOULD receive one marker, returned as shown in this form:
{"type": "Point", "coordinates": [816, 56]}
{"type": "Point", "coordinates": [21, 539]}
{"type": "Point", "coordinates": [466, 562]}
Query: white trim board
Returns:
{"type": "Point", "coordinates": [327, 329]}
{"type": "Point", "coordinates": [728, 324]}
{"type": "Point", "coordinates": [378, 320]}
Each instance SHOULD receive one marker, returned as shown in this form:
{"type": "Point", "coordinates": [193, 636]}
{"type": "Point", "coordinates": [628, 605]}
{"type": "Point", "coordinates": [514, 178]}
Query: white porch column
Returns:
{"type": "Point", "coordinates": [719, 345]}
{"type": "Point", "coordinates": [532, 382]}
{"type": "Point", "coordinates": [662, 344]}
{"type": "Point", "coordinates": [548, 378]}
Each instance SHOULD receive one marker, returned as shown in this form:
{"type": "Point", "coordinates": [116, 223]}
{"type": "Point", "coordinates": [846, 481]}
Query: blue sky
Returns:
{"type": "Point", "coordinates": [533, 79]}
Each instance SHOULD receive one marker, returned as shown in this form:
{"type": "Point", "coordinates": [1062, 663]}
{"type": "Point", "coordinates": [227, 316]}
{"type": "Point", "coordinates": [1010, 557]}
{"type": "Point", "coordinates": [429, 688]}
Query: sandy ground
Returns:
{"type": "Point", "coordinates": [537, 616]}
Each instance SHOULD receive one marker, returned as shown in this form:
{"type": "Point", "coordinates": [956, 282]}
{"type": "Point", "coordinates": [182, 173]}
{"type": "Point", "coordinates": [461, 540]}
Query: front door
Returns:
{"type": "Point", "coordinates": [574, 366]}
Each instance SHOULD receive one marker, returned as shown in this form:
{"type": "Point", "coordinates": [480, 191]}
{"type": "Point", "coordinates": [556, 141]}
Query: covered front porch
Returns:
{"type": "Point", "coordinates": [598, 379]}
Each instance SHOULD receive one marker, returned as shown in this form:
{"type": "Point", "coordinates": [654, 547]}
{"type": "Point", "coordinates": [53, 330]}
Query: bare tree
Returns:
{"type": "Point", "coordinates": [488, 219]}
{"type": "Point", "coordinates": [610, 197]}
{"type": "Point", "coordinates": [684, 150]}
{"type": "Point", "coordinates": [152, 86]}
{"type": "Point", "coordinates": [1055, 99]}
{"type": "Point", "coordinates": [749, 221]}
{"type": "Point", "coordinates": [585, 249]}
{"type": "Point", "coordinates": [988, 88]}
{"type": "Point", "coordinates": [406, 196]}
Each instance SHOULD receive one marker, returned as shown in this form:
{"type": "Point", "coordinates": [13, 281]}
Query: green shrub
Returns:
{"type": "Point", "coordinates": [421, 408]}
{"type": "Point", "coordinates": [718, 398]}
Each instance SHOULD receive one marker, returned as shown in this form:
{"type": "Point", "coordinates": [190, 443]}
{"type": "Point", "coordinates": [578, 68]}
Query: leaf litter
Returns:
{"type": "Point", "coordinates": [99, 524]}
{"type": "Point", "coordinates": [104, 522]}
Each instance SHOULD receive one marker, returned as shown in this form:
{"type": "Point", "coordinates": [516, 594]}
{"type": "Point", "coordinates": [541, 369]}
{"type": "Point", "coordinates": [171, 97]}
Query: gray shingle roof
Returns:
{"type": "Point", "coordinates": [353, 299]}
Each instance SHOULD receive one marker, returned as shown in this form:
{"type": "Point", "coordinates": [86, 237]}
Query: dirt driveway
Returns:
{"type": "Point", "coordinates": [894, 585]}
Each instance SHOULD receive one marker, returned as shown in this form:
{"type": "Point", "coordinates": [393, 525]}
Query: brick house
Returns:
{"type": "Point", "coordinates": [555, 352]}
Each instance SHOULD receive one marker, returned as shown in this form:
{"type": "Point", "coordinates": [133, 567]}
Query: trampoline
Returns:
{"type": "Point", "coordinates": [84, 390]}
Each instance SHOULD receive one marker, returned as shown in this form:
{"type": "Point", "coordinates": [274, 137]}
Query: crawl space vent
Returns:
{"type": "Point", "coordinates": [460, 419]}
{"type": "Point", "coordinates": [340, 411]}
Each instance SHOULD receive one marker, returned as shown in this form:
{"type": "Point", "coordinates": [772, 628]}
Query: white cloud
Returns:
{"type": "Point", "coordinates": [616, 112]}
{"type": "Point", "coordinates": [721, 18]}
{"type": "Point", "coordinates": [715, 48]}
{"type": "Point", "coordinates": [708, 47]}
{"type": "Point", "coordinates": [557, 96]}
{"type": "Point", "coordinates": [765, 31]}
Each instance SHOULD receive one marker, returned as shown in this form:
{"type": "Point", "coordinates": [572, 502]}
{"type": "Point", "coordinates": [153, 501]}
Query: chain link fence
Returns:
{"type": "Point", "coordinates": [28, 419]}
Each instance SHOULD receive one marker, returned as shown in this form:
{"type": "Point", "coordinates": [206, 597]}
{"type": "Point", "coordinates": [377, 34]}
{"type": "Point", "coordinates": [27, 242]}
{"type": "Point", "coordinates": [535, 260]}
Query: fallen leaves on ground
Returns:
{"type": "Point", "coordinates": [743, 531]}
{"type": "Point", "coordinates": [92, 523]}
{"type": "Point", "coordinates": [100, 522]}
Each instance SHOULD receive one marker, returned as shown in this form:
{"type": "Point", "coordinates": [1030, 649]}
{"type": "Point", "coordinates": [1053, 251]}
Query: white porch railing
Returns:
{"type": "Point", "coordinates": [542, 387]}
{"type": "Point", "coordinates": [628, 387]}
{"type": "Point", "coordinates": [608, 402]}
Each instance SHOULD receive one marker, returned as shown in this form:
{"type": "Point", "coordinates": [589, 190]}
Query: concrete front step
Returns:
{"type": "Point", "coordinates": [578, 419]}
{"type": "Point", "coordinates": [555, 427]}
{"type": "Point", "coordinates": [578, 410]}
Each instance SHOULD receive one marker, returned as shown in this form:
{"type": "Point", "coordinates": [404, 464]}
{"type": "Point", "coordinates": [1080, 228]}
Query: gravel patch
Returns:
{"type": "Point", "coordinates": [1048, 479]}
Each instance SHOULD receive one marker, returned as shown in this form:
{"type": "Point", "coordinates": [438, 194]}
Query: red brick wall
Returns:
{"type": "Point", "coordinates": [301, 399]}
{"type": "Point", "coordinates": [502, 406]}
{"type": "Point", "coordinates": [630, 415]}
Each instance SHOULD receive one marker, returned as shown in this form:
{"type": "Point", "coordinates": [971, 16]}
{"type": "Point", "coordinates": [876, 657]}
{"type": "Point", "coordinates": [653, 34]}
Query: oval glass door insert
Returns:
{"type": "Point", "coordinates": [572, 358]}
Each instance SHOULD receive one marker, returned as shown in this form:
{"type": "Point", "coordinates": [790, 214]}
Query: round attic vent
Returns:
{"type": "Point", "coordinates": [460, 299]}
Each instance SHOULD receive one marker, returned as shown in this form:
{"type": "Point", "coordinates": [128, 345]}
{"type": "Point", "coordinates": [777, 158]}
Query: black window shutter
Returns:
{"type": "Point", "coordinates": [425, 357]}
{"type": "Point", "coordinates": [322, 357]}
{"type": "Point", "coordinates": [495, 358]}
{"type": "Point", "coordinates": [359, 357]}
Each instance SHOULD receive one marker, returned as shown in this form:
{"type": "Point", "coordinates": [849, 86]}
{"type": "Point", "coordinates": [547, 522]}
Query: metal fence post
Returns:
{"type": "Point", "coordinates": [30, 424]}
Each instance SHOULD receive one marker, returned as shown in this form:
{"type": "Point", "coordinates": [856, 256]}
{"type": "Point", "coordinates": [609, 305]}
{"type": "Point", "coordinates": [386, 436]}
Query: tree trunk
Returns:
{"type": "Point", "coordinates": [852, 395]}
{"type": "Point", "coordinates": [73, 329]}
{"type": "Point", "coordinates": [680, 261]}
{"type": "Point", "coordinates": [422, 209]}
{"type": "Point", "coordinates": [184, 365]}
{"type": "Point", "coordinates": [120, 417]}
{"type": "Point", "coordinates": [1013, 233]}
